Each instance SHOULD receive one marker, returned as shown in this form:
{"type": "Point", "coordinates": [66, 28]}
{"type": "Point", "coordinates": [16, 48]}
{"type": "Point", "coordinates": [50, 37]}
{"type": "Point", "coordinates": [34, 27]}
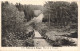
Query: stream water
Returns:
{"type": "Point", "coordinates": [39, 41]}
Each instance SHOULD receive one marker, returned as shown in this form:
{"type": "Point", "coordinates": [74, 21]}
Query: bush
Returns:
{"type": "Point", "coordinates": [61, 42]}
{"type": "Point", "coordinates": [67, 42]}
{"type": "Point", "coordinates": [73, 35]}
{"type": "Point", "coordinates": [17, 43]}
{"type": "Point", "coordinates": [29, 42]}
{"type": "Point", "coordinates": [13, 25]}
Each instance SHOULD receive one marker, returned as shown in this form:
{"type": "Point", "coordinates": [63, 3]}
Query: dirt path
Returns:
{"type": "Point", "coordinates": [39, 41]}
{"type": "Point", "coordinates": [39, 18]}
{"type": "Point", "coordinates": [36, 19]}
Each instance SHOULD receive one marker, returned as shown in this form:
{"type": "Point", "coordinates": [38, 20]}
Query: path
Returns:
{"type": "Point", "coordinates": [39, 18]}
{"type": "Point", "coordinates": [39, 41]}
{"type": "Point", "coordinates": [36, 19]}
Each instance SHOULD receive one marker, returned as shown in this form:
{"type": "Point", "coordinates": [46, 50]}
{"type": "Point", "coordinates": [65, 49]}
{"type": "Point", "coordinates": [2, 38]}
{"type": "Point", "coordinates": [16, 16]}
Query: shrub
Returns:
{"type": "Point", "coordinates": [74, 35]}
{"type": "Point", "coordinates": [29, 42]}
{"type": "Point", "coordinates": [13, 26]}
{"type": "Point", "coordinates": [61, 42]}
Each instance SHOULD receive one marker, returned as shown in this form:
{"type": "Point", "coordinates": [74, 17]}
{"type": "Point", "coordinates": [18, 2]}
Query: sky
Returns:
{"type": "Point", "coordinates": [34, 2]}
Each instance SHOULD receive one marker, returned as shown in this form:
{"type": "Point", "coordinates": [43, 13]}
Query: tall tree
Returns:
{"type": "Point", "coordinates": [61, 13]}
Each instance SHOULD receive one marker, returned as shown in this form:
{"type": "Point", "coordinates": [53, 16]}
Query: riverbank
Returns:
{"type": "Point", "coordinates": [57, 37]}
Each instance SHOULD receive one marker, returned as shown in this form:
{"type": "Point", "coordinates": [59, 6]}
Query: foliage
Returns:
{"type": "Point", "coordinates": [28, 10]}
{"type": "Point", "coordinates": [63, 42]}
{"type": "Point", "coordinates": [13, 25]}
{"type": "Point", "coordinates": [73, 35]}
{"type": "Point", "coordinates": [61, 13]}
{"type": "Point", "coordinates": [12, 19]}
{"type": "Point", "coordinates": [54, 37]}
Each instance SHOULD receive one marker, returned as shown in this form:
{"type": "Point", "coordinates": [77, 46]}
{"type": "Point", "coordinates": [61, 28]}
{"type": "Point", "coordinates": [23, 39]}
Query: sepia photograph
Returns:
{"type": "Point", "coordinates": [39, 24]}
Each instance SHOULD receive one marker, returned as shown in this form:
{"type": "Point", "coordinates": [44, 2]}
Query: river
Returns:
{"type": "Point", "coordinates": [39, 41]}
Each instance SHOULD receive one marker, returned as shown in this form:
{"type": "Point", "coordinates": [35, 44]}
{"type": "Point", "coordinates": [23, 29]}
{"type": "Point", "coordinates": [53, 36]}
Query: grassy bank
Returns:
{"type": "Point", "coordinates": [56, 36]}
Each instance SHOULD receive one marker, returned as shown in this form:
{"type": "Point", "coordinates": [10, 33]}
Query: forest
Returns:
{"type": "Point", "coordinates": [59, 25]}
{"type": "Point", "coordinates": [61, 14]}
{"type": "Point", "coordinates": [60, 20]}
{"type": "Point", "coordinates": [14, 18]}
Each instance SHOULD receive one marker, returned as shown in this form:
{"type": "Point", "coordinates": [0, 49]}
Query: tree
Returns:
{"type": "Point", "coordinates": [29, 13]}
{"type": "Point", "coordinates": [12, 21]}
{"type": "Point", "coordinates": [61, 13]}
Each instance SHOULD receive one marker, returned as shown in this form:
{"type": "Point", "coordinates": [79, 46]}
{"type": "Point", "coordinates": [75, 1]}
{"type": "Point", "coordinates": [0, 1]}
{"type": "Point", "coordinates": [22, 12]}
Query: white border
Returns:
{"type": "Point", "coordinates": [41, 48]}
